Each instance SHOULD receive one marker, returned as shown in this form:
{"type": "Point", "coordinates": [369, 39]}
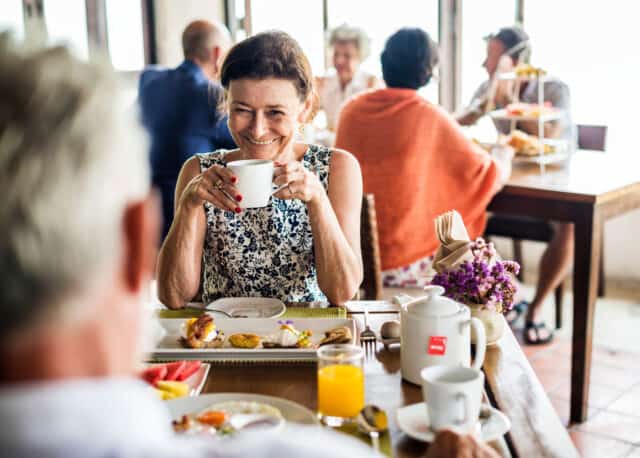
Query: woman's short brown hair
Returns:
{"type": "Point", "coordinates": [272, 54]}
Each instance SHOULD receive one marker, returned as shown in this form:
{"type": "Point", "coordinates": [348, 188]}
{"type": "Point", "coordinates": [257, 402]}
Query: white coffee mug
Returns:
{"type": "Point", "coordinates": [453, 396]}
{"type": "Point", "coordinates": [254, 183]}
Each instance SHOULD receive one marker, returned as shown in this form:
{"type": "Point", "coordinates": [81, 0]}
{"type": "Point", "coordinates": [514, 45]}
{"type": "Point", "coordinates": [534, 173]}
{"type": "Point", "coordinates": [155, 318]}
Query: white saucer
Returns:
{"type": "Point", "coordinates": [414, 421]}
{"type": "Point", "coordinates": [250, 307]}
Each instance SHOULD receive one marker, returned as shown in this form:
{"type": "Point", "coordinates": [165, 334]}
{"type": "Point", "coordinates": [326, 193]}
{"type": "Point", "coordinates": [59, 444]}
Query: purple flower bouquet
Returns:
{"type": "Point", "coordinates": [484, 280]}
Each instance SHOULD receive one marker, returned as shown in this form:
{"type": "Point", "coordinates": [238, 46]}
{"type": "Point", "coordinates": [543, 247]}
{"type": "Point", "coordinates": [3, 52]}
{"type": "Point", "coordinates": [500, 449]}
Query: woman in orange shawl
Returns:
{"type": "Point", "coordinates": [415, 160]}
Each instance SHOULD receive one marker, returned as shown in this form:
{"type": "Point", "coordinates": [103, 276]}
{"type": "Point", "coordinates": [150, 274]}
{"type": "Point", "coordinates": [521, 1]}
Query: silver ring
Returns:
{"type": "Point", "coordinates": [289, 188]}
{"type": "Point", "coordinates": [219, 185]}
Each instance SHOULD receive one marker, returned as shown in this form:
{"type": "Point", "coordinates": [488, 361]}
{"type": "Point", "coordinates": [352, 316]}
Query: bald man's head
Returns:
{"type": "Point", "coordinates": [200, 37]}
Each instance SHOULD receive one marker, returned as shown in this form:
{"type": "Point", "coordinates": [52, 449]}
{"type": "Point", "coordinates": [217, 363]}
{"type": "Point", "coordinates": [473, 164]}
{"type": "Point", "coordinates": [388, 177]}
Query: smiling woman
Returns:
{"type": "Point", "coordinates": [304, 245]}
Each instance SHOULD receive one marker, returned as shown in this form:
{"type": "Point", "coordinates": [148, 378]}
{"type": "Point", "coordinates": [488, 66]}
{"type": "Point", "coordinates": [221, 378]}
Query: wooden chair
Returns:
{"type": "Point", "coordinates": [589, 137]}
{"type": "Point", "coordinates": [372, 278]}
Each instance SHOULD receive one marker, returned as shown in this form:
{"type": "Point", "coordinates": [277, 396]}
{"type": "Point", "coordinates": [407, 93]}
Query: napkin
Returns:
{"type": "Point", "coordinates": [455, 245]}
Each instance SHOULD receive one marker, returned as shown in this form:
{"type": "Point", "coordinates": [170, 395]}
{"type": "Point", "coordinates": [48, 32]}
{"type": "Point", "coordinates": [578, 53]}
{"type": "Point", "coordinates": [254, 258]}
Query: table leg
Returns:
{"type": "Point", "coordinates": [588, 234]}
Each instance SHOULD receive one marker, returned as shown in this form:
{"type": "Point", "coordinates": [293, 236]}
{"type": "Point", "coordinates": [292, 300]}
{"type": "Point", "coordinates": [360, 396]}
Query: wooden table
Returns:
{"type": "Point", "coordinates": [587, 191]}
{"type": "Point", "coordinates": [511, 386]}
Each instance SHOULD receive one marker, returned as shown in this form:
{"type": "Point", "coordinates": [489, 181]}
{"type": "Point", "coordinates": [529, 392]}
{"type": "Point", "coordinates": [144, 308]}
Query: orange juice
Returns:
{"type": "Point", "coordinates": [340, 390]}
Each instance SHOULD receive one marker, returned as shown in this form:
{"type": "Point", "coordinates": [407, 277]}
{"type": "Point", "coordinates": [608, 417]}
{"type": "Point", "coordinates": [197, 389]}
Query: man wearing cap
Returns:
{"type": "Point", "coordinates": [506, 49]}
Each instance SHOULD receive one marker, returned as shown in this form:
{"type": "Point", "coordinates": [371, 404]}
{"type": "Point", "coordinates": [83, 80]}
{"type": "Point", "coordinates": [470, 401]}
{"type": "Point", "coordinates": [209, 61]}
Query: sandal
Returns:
{"type": "Point", "coordinates": [536, 327]}
{"type": "Point", "coordinates": [516, 312]}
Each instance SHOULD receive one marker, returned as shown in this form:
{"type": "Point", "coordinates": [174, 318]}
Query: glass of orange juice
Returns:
{"type": "Point", "coordinates": [340, 383]}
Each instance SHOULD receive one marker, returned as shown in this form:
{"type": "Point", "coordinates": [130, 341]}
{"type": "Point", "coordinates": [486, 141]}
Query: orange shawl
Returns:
{"type": "Point", "coordinates": [418, 164]}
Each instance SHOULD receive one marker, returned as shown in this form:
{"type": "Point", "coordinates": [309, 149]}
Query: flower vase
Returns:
{"type": "Point", "coordinates": [492, 320]}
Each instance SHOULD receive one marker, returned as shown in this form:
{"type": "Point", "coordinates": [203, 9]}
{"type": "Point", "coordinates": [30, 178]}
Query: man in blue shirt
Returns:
{"type": "Point", "coordinates": [180, 108]}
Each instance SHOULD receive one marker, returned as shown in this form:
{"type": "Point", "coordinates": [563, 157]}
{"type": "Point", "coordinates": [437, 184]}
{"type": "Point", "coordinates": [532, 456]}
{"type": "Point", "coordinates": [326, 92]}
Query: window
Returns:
{"type": "Point", "coordinates": [300, 19]}
{"type": "Point", "coordinates": [597, 57]}
{"type": "Point", "coordinates": [380, 19]}
{"type": "Point", "coordinates": [480, 19]}
{"type": "Point", "coordinates": [67, 24]}
{"type": "Point", "coordinates": [11, 18]}
{"type": "Point", "coordinates": [124, 29]}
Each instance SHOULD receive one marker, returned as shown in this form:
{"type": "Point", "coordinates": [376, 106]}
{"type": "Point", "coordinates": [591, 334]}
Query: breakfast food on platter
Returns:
{"type": "Point", "coordinates": [201, 333]}
{"type": "Point", "coordinates": [525, 144]}
{"type": "Point", "coordinates": [339, 335]}
{"type": "Point", "coordinates": [287, 336]}
{"type": "Point", "coordinates": [244, 340]}
{"type": "Point", "coordinates": [533, 110]}
{"type": "Point", "coordinates": [227, 417]}
{"type": "Point", "coordinates": [528, 70]}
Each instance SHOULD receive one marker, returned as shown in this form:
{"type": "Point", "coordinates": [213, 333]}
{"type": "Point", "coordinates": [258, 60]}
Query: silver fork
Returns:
{"type": "Point", "coordinates": [368, 337]}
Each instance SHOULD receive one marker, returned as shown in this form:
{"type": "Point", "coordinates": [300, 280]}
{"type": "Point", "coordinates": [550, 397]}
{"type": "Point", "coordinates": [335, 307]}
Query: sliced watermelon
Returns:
{"type": "Point", "coordinates": [174, 370]}
{"type": "Point", "coordinates": [191, 367]}
{"type": "Point", "coordinates": [153, 375]}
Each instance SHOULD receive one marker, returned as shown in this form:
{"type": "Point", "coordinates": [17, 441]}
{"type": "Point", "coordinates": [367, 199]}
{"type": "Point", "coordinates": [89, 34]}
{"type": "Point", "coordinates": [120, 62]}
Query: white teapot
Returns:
{"type": "Point", "coordinates": [435, 330]}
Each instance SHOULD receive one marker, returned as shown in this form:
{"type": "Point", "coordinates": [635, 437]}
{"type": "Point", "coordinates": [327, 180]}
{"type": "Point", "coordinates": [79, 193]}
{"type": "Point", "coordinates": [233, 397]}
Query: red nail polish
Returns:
{"type": "Point", "coordinates": [238, 209]}
{"type": "Point", "coordinates": [234, 179]}
{"type": "Point", "coordinates": [239, 198]}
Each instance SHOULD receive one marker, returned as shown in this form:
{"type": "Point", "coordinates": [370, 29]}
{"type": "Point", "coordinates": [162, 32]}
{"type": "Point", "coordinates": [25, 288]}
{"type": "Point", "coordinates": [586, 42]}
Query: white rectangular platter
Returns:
{"type": "Point", "coordinates": [170, 349]}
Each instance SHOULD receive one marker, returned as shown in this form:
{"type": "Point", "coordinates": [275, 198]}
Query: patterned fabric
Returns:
{"type": "Point", "coordinates": [262, 252]}
{"type": "Point", "coordinates": [416, 275]}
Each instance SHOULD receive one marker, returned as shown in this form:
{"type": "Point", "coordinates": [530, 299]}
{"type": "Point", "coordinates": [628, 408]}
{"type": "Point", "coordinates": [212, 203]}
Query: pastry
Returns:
{"type": "Point", "coordinates": [287, 336]}
{"type": "Point", "coordinates": [337, 336]}
{"type": "Point", "coordinates": [525, 144]}
{"type": "Point", "coordinates": [244, 340]}
{"type": "Point", "coordinates": [529, 71]}
{"type": "Point", "coordinates": [201, 333]}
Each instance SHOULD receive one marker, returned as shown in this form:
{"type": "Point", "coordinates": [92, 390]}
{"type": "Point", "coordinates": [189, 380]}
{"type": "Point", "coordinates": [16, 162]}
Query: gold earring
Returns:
{"type": "Point", "coordinates": [301, 128]}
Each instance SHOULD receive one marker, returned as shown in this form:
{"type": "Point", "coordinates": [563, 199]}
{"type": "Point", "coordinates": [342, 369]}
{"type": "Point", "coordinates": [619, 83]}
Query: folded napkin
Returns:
{"type": "Point", "coordinates": [455, 245]}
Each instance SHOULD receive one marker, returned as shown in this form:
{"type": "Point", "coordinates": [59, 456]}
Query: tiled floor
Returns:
{"type": "Point", "coordinates": [613, 427]}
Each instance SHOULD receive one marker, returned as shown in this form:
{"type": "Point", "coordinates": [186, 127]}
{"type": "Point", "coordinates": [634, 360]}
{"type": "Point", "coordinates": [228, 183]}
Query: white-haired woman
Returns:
{"type": "Point", "coordinates": [349, 47]}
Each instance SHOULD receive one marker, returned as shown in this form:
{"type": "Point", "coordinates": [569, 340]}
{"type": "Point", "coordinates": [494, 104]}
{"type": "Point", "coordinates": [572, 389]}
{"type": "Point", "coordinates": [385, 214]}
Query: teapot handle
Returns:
{"type": "Point", "coordinates": [481, 343]}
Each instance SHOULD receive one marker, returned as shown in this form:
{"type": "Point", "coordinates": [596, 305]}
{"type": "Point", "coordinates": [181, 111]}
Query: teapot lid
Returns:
{"type": "Point", "coordinates": [434, 304]}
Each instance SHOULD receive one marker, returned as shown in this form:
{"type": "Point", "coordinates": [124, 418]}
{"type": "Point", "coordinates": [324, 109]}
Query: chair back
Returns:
{"type": "Point", "coordinates": [592, 137]}
{"type": "Point", "coordinates": [372, 275]}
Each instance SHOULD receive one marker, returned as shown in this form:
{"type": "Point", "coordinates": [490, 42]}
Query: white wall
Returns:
{"type": "Point", "coordinates": [172, 17]}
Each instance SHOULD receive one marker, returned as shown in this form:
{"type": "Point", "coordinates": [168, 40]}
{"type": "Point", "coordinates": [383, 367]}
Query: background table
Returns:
{"type": "Point", "coordinates": [587, 191]}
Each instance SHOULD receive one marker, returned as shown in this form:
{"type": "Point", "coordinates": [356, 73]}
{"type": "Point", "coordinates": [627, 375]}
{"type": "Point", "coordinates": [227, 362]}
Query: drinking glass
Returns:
{"type": "Point", "coordinates": [340, 383]}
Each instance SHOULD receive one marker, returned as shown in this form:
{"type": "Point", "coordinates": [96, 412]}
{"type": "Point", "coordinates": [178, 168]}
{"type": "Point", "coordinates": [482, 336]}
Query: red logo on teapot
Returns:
{"type": "Point", "coordinates": [437, 345]}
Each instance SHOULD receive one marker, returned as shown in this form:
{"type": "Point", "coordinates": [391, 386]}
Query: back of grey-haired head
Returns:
{"type": "Point", "coordinates": [348, 34]}
{"type": "Point", "coordinates": [72, 156]}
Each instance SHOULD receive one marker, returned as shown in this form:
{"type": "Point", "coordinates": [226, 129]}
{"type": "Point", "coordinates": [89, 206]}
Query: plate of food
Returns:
{"type": "Point", "coordinates": [521, 111]}
{"type": "Point", "coordinates": [176, 379]}
{"type": "Point", "coordinates": [224, 414]}
{"type": "Point", "coordinates": [531, 149]}
{"type": "Point", "coordinates": [249, 339]}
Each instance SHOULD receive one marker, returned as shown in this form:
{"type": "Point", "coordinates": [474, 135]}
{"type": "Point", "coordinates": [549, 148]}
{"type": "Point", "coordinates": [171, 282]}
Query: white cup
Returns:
{"type": "Point", "coordinates": [254, 183]}
{"type": "Point", "coordinates": [453, 396]}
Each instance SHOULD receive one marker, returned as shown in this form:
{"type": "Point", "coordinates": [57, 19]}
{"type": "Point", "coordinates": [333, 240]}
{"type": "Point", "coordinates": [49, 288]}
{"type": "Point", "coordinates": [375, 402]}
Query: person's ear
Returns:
{"type": "Point", "coordinates": [141, 232]}
{"type": "Point", "coordinates": [216, 59]}
{"type": "Point", "coordinates": [307, 108]}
